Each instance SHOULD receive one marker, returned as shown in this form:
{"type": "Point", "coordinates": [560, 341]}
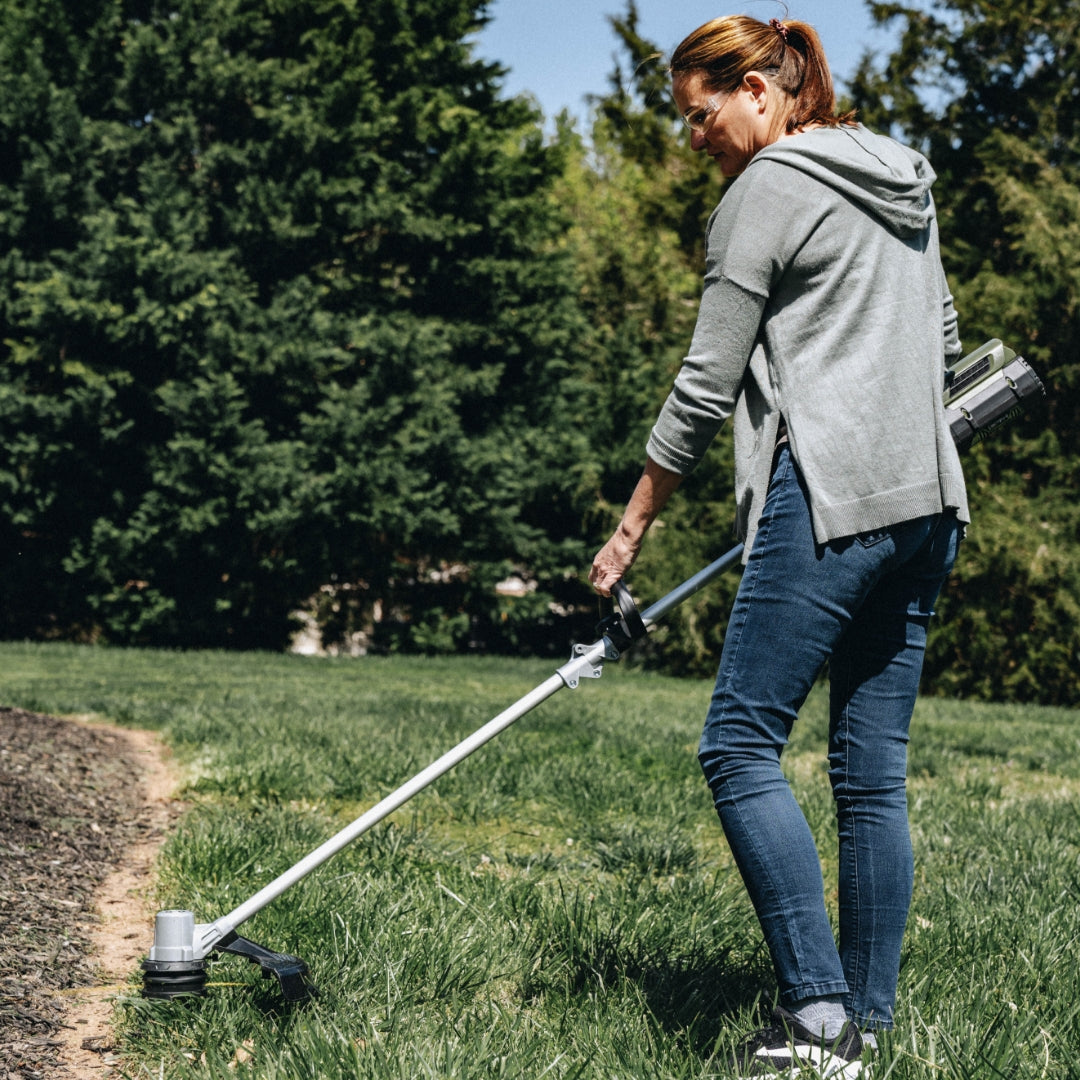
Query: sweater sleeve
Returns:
{"type": "Point", "coordinates": [707, 385]}
{"type": "Point", "coordinates": [749, 244]}
{"type": "Point", "coordinates": [953, 350]}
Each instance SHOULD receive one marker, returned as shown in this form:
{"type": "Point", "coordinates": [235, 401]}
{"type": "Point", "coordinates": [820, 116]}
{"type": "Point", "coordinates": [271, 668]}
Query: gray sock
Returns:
{"type": "Point", "coordinates": [824, 1014]}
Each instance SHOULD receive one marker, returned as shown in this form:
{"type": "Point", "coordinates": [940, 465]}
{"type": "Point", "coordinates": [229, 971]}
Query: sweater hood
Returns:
{"type": "Point", "coordinates": [888, 180]}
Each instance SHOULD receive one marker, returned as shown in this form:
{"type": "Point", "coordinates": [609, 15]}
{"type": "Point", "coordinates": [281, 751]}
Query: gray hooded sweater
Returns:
{"type": "Point", "coordinates": [825, 303]}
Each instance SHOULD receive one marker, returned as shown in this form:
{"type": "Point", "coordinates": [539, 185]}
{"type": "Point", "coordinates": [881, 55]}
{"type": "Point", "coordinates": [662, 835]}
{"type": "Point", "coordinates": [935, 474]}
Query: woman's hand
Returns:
{"type": "Point", "coordinates": [618, 554]}
{"type": "Point", "coordinates": [612, 561]}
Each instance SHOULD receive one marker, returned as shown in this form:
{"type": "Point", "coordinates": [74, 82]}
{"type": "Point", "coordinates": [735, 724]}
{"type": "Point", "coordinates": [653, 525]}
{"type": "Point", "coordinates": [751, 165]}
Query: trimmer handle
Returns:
{"type": "Point", "coordinates": [624, 625]}
{"type": "Point", "coordinates": [635, 625]}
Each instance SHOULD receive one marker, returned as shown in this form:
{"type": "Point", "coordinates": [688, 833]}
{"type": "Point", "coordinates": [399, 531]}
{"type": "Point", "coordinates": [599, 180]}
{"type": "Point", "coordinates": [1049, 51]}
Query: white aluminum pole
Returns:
{"type": "Point", "coordinates": [587, 662]}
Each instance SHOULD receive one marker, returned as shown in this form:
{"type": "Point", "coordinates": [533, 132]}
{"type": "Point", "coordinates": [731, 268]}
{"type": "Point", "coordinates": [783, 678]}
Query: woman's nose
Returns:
{"type": "Point", "coordinates": [697, 140]}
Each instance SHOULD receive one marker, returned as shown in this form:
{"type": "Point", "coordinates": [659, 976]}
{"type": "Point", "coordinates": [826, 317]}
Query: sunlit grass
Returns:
{"type": "Point", "coordinates": [563, 903]}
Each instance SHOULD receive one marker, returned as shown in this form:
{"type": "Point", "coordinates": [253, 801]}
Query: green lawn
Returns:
{"type": "Point", "coordinates": [563, 903]}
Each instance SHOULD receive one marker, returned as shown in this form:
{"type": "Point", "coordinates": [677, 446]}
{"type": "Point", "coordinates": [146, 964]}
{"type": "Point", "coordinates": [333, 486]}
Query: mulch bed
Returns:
{"type": "Point", "coordinates": [68, 809]}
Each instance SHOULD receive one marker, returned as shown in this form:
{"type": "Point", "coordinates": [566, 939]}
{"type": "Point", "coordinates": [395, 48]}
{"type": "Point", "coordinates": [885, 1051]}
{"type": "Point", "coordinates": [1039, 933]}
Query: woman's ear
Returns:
{"type": "Point", "coordinates": [758, 87]}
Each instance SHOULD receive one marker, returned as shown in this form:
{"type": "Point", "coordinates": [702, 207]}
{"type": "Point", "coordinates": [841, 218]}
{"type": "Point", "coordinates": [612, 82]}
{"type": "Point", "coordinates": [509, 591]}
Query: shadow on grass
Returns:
{"type": "Point", "coordinates": [697, 1000]}
{"type": "Point", "coordinates": [691, 997]}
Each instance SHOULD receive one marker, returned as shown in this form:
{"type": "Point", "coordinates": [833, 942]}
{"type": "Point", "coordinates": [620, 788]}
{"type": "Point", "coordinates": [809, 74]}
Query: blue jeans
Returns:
{"type": "Point", "coordinates": [862, 605]}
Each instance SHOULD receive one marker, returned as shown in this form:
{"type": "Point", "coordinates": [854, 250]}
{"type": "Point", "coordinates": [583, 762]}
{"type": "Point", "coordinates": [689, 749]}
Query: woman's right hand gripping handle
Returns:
{"type": "Point", "coordinates": [616, 557]}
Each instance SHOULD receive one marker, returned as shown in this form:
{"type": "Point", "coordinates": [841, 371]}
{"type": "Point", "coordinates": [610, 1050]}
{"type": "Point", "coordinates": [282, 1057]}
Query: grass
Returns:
{"type": "Point", "coordinates": [562, 904]}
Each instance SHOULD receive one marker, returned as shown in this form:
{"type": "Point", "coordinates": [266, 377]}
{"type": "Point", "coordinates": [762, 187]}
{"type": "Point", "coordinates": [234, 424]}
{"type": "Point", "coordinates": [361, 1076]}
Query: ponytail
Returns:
{"type": "Point", "coordinates": [789, 54]}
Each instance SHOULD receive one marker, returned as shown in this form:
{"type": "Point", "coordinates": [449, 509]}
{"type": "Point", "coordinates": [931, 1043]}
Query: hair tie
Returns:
{"type": "Point", "coordinates": [780, 28]}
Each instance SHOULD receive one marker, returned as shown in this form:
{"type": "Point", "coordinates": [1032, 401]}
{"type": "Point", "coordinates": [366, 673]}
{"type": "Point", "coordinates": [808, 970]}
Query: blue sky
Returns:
{"type": "Point", "coordinates": [561, 50]}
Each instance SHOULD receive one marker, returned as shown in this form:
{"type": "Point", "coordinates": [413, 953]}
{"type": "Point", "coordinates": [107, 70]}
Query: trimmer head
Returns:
{"type": "Point", "coordinates": [174, 971]}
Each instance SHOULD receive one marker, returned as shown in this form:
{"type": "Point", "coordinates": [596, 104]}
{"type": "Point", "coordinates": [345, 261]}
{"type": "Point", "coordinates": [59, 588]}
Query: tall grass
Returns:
{"type": "Point", "coordinates": [562, 904]}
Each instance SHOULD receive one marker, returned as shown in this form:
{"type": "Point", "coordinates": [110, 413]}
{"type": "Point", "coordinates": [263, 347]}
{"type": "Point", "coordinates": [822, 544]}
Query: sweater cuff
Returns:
{"type": "Point", "coordinates": [666, 455]}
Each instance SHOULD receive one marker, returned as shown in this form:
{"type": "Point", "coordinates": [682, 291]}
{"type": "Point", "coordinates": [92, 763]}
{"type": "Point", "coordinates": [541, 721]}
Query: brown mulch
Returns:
{"type": "Point", "coordinates": [69, 807]}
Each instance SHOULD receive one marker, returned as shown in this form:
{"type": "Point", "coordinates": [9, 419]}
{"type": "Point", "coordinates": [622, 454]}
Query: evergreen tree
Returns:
{"type": "Point", "coordinates": [990, 92]}
{"type": "Point", "coordinates": [641, 200]}
{"type": "Point", "coordinates": [282, 307]}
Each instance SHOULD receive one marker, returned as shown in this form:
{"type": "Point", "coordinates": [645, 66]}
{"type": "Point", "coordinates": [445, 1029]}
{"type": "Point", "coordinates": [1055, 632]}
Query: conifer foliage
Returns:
{"type": "Point", "coordinates": [990, 91]}
{"type": "Point", "coordinates": [280, 309]}
{"type": "Point", "coordinates": [295, 303]}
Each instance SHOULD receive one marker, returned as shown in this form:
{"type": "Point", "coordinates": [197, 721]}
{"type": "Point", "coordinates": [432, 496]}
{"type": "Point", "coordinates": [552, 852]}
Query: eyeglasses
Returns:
{"type": "Point", "coordinates": [698, 120]}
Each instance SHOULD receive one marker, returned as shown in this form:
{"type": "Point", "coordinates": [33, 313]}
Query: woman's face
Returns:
{"type": "Point", "coordinates": [730, 128]}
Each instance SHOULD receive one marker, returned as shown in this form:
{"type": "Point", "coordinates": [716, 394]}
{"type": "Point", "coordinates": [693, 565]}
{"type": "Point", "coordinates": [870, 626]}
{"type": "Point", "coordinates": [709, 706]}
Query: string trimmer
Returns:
{"type": "Point", "coordinates": [983, 389]}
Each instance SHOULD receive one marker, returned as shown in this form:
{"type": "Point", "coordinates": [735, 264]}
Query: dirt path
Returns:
{"type": "Point", "coordinates": [83, 810]}
{"type": "Point", "coordinates": [126, 911]}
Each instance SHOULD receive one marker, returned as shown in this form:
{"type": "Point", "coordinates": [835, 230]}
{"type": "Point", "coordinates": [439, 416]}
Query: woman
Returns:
{"type": "Point", "coordinates": [824, 329]}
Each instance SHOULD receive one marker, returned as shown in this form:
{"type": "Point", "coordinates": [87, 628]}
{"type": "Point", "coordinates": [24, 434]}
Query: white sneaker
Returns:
{"type": "Point", "coordinates": [786, 1048]}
